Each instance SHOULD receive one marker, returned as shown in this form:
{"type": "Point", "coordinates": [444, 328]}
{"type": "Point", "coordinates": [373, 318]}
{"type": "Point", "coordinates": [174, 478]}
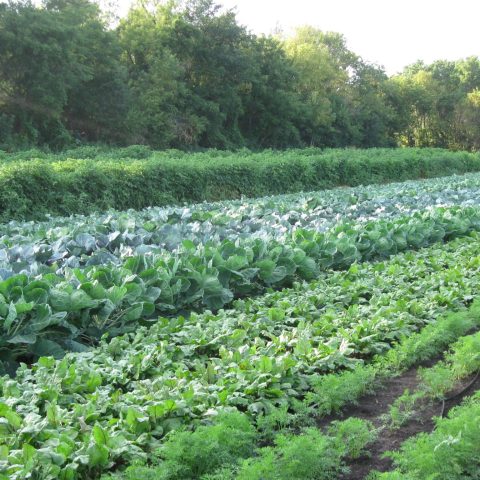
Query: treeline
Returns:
{"type": "Point", "coordinates": [185, 74]}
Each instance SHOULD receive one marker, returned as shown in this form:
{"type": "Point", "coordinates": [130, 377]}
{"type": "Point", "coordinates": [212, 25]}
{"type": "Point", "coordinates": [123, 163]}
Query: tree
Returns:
{"type": "Point", "coordinates": [323, 63]}
{"type": "Point", "coordinates": [442, 97]}
{"type": "Point", "coordinates": [53, 58]}
{"type": "Point", "coordinates": [155, 117]}
{"type": "Point", "coordinates": [272, 109]}
{"type": "Point", "coordinates": [213, 51]}
{"type": "Point", "coordinates": [372, 107]}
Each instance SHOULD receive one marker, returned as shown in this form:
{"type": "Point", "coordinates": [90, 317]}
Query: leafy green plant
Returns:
{"type": "Point", "coordinates": [465, 356]}
{"type": "Point", "coordinates": [330, 392]}
{"type": "Point", "coordinates": [36, 187]}
{"type": "Point", "coordinates": [450, 452]}
{"type": "Point", "coordinates": [190, 455]}
{"type": "Point", "coordinates": [267, 353]}
{"type": "Point", "coordinates": [222, 474]}
{"type": "Point", "coordinates": [437, 381]}
{"type": "Point", "coordinates": [101, 238]}
{"type": "Point", "coordinates": [52, 313]}
{"type": "Point", "coordinates": [136, 421]}
{"type": "Point", "coordinates": [309, 456]}
{"type": "Point", "coordinates": [285, 419]}
{"type": "Point", "coordinates": [352, 436]}
{"type": "Point", "coordinates": [403, 408]}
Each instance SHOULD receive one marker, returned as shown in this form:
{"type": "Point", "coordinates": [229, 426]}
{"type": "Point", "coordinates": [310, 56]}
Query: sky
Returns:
{"type": "Point", "coordinates": [391, 33]}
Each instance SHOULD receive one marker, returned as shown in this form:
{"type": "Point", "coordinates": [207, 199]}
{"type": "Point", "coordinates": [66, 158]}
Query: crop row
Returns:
{"type": "Point", "coordinates": [50, 313]}
{"type": "Point", "coordinates": [265, 354]}
{"type": "Point", "coordinates": [106, 238]}
{"type": "Point", "coordinates": [34, 188]}
{"type": "Point", "coordinates": [317, 456]}
{"type": "Point", "coordinates": [450, 452]}
{"type": "Point", "coordinates": [227, 450]}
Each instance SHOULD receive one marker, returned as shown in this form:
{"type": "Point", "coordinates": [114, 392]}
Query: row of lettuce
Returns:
{"type": "Point", "coordinates": [107, 238]}
{"type": "Point", "coordinates": [49, 313]}
{"type": "Point", "coordinates": [94, 411]}
{"type": "Point", "coordinates": [33, 188]}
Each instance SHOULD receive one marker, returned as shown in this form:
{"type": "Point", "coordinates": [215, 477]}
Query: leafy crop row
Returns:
{"type": "Point", "coordinates": [106, 238]}
{"type": "Point", "coordinates": [219, 451]}
{"type": "Point", "coordinates": [451, 451]}
{"type": "Point", "coordinates": [267, 353]}
{"type": "Point", "coordinates": [226, 451]}
{"type": "Point", "coordinates": [52, 313]}
{"type": "Point", "coordinates": [30, 189]}
{"type": "Point", "coordinates": [436, 382]}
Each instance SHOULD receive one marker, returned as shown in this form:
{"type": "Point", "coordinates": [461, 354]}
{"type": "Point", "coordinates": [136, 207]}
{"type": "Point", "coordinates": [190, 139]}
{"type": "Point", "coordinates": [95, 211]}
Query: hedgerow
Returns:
{"type": "Point", "coordinates": [32, 187]}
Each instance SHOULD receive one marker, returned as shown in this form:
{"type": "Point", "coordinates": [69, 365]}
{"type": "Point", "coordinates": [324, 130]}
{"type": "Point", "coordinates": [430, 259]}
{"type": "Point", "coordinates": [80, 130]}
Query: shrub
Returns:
{"type": "Point", "coordinates": [136, 177]}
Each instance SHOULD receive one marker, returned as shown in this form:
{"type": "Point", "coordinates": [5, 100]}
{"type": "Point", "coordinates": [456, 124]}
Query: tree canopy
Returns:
{"type": "Point", "coordinates": [185, 74]}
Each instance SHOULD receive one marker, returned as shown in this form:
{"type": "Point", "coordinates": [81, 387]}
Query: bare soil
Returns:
{"type": "Point", "coordinates": [373, 407]}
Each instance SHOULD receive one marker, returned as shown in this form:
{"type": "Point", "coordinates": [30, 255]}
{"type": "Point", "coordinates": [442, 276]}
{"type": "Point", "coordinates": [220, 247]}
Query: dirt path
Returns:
{"type": "Point", "coordinates": [374, 407]}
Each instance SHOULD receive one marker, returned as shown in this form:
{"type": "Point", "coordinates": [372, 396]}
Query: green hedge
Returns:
{"type": "Point", "coordinates": [61, 185]}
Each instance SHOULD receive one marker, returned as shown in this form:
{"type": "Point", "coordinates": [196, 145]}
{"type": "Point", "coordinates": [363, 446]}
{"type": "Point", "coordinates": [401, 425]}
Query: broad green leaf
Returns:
{"type": "Point", "coordinates": [100, 435]}
{"type": "Point", "coordinates": [44, 347]}
{"type": "Point", "coordinates": [28, 338]}
{"type": "Point", "coordinates": [12, 315]}
{"type": "Point", "coordinates": [13, 418]}
{"type": "Point", "coordinates": [97, 455]}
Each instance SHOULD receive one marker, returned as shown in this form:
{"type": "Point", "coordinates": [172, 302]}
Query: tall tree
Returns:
{"type": "Point", "coordinates": [189, 61]}
{"type": "Point", "coordinates": [323, 64]}
{"type": "Point", "coordinates": [372, 107]}
{"type": "Point", "coordinates": [156, 116]}
{"type": "Point", "coordinates": [213, 52]}
{"type": "Point", "coordinates": [272, 109]}
{"type": "Point", "coordinates": [51, 56]}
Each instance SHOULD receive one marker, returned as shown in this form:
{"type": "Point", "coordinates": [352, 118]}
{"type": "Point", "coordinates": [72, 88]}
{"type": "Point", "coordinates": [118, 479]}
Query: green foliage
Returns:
{"type": "Point", "coordinates": [282, 358]}
{"type": "Point", "coordinates": [352, 436]}
{"type": "Point", "coordinates": [284, 419]}
{"type": "Point", "coordinates": [218, 453]}
{"type": "Point", "coordinates": [186, 74]}
{"type": "Point", "coordinates": [450, 452]}
{"type": "Point", "coordinates": [74, 87]}
{"type": "Point", "coordinates": [441, 103]}
{"type": "Point", "coordinates": [436, 382]}
{"type": "Point", "coordinates": [221, 474]}
{"type": "Point", "coordinates": [403, 408]}
{"type": "Point", "coordinates": [97, 255]}
{"type": "Point", "coordinates": [60, 311]}
{"type": "Point", "coordinates": [331, 392]}
{"type": "Point", "coordinates": [346, 102]}
{"type": "Point", "coordinates": [461, 362]}
{"type": "Point", "coordinates": [62, 186]}
{"type": "Point", "coordinates": [190, 455]}
{"type": "Point", "coordinates": [127, 394]}
{"type": "Point", "coordinates": [309, 456]}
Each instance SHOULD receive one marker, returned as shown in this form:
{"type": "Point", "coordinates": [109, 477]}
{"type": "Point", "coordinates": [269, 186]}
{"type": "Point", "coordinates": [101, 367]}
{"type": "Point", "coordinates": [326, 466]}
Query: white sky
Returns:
{"type": "Point", "coordinates": [392, 33]}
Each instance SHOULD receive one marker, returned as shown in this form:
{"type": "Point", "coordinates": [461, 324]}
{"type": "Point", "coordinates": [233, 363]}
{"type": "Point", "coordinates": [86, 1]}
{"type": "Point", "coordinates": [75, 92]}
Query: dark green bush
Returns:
{"type": "Point", "coordinates": [34, 183]}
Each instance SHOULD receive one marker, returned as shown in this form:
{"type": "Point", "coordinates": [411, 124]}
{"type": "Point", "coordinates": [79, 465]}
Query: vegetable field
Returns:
{"type": "Point", "coordinates": [224, 340]}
